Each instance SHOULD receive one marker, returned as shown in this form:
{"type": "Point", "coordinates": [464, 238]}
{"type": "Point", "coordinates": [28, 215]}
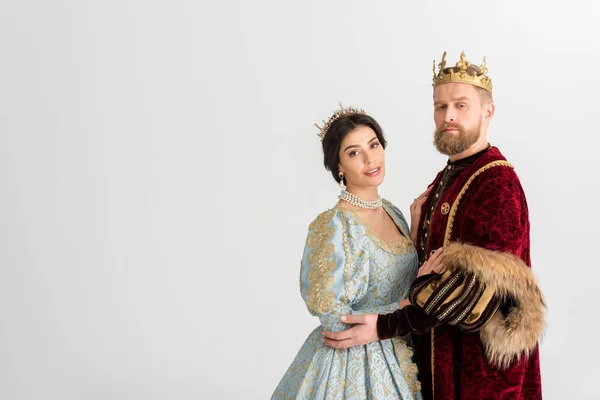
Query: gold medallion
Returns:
{"type": "Point", "coordinates": [445, 208]}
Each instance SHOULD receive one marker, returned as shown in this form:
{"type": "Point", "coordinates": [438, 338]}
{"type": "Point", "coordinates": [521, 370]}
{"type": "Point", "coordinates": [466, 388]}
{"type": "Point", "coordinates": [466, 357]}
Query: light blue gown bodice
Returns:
{"type": "Point", "coordinates": [347, 269]}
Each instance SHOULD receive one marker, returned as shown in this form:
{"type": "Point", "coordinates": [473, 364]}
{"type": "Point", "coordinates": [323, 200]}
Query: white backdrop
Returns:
{"type": "Point", "coordinates": [159, 169]}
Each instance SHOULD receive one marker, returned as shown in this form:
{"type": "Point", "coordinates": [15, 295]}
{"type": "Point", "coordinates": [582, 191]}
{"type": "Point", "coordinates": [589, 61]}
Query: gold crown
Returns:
{"type": "Point", "coordinates": [463, 72]}
{"type": "Point", "coordinates": [342, 112]}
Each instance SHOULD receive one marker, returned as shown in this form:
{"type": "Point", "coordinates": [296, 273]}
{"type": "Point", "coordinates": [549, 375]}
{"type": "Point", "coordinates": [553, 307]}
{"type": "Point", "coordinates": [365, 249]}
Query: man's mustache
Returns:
{"type": "Point", "coordinates": [452, 126]}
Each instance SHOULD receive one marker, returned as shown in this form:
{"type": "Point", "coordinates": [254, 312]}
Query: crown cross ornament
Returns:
{"type": "Point", "coordinates": [462, 72]}
{"type": "Point", "coordinates": [342, 112]}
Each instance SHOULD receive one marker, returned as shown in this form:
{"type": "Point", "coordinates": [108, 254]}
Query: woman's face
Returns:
{"type": "Point", "coordinates": [362, 158]}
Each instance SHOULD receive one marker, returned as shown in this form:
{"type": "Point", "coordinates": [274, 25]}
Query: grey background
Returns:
{"type": "Point", "coordinates": [159, 169]}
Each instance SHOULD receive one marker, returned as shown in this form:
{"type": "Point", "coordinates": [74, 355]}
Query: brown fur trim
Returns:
{"type": "Point", "coordinates": [506, 337]}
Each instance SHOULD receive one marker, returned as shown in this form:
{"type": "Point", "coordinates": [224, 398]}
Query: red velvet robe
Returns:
{"type": "Point", "coordinates": [492, 214]}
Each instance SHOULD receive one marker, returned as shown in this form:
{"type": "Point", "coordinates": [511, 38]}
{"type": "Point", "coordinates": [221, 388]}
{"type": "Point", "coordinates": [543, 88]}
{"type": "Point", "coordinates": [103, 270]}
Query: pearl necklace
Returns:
{"type": "Point", "coordinates": [355, 201]}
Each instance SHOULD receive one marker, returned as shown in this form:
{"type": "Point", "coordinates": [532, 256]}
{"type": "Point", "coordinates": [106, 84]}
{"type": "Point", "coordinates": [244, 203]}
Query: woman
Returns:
{"type": "Point", "coordinates": [359, 258]}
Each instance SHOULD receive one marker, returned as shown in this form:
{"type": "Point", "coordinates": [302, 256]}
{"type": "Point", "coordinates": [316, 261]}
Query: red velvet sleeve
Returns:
{"type": "Point", "coordinates": [495, 214]}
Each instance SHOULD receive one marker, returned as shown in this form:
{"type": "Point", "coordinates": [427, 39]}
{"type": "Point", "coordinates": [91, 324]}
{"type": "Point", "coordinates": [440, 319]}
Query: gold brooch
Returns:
{"type": "Point", "coordinates": [445, 208]}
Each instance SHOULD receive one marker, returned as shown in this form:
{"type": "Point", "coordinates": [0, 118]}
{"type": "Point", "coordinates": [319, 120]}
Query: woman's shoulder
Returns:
{"type": "Point", "coordinates": [325, 217]}
{"type": "Point", "coordinates": [395, 212]}
{"type": "Point", "coordinates": [392, 206]}
{"type": "Point", "coordinates": [388, 203]}
{"type": "Point", "coordinates": [336, 214]}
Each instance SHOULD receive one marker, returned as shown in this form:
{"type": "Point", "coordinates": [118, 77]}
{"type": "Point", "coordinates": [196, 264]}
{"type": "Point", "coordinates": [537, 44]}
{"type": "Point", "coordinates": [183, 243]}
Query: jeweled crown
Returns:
{"type": "Point", "coordinates": [342, 112]}
{"type": "Point", "coordinates": [463, 72]}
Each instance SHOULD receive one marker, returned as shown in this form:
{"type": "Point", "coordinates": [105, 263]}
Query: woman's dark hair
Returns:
{"type": "Point", "coordinates": [338, 131]}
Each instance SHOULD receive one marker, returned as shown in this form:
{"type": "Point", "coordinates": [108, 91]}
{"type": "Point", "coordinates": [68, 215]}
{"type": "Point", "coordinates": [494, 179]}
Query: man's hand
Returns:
{"type": "Point", "coordinates": [364, 332]}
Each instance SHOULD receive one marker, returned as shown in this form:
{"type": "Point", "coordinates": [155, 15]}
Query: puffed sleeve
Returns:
{"type": "Point", "coordinates": [331, 279]}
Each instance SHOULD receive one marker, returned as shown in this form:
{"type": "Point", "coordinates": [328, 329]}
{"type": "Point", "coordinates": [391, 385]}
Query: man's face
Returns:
{"type": "Point", "coordinates": [458, 115]}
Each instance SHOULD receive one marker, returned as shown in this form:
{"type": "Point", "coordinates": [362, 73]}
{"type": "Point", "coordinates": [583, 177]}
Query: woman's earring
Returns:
{"type": "Point", "coordinates": [341, 175]}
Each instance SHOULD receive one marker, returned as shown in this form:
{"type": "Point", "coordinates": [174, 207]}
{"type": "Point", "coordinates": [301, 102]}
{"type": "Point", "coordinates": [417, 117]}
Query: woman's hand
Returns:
{"type": "Point", "coordinates": [415, 213]}
{"type": "Point", "coordinates": [434, 265]}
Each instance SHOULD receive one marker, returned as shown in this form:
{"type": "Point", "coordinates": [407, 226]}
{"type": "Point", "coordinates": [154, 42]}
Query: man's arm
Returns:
{"type": "Point", "coordinates": [370, 328]}
{"type": "Point", "coordinates": [478, 280]}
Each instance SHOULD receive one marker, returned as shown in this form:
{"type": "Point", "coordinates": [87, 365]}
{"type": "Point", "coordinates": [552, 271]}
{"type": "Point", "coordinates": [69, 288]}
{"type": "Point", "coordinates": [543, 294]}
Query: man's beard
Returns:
{"type": "Point", "coordinates": [452, 144]}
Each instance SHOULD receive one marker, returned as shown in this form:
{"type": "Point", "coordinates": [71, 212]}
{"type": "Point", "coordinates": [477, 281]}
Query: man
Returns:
{"type": "Point", "coordinates": [476, 325]}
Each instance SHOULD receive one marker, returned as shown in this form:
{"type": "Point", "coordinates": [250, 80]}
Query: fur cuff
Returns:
{"type": "Point", "coordinates": [508, 335]}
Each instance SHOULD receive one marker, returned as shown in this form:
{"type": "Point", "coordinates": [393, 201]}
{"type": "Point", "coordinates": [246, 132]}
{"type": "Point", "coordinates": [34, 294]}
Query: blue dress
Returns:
{"type": "Point", "coordinates": [346, 269]}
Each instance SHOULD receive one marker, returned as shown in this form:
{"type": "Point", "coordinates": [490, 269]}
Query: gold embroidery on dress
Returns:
{"type": "Point", "coordinates": [348, 259]}
{"type": "Point", "coordinates": [409, 369]}
{"type": "Point", "coordinates": [320, 274]}
{"type": "Point", "coordinates": [396, 248]}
